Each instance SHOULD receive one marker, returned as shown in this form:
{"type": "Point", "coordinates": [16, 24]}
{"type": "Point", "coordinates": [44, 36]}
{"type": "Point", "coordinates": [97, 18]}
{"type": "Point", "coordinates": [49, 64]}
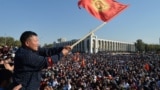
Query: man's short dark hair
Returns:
{"type": "Point", "coordinates": [25, 35]}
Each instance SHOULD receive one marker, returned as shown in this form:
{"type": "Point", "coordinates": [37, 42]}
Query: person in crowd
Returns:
{"type": "Point", "coordinates": [83, 71]}
{"type": "Point", "coordinates": [5, 79]}
{"type": "Point", "coordinates": [30, 59]}
{"type": "Point", "coordinates": [108, 72]}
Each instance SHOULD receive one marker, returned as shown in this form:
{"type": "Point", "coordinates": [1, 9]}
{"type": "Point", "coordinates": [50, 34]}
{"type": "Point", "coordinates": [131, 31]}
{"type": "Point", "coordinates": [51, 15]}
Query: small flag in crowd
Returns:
{"type": "Point", "coordinates": [147, 67]}
{"type": "Point", "coordinates": [76, 57]}
{"type": "Point", "coordinates": [83, 64]}
{"type": "Point", "coordinates": [102, 9]}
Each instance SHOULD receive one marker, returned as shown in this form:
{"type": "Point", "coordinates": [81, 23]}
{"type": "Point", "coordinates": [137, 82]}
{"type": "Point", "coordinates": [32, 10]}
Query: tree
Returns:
{"type": "Point", "coordinates": [140, 45]}
{"type": "Point", "coordinates": [2, 41]}
{"type": "Point", "coordinates": [17, 43]}
{"type": "Point", "coordinates": [9, 41]}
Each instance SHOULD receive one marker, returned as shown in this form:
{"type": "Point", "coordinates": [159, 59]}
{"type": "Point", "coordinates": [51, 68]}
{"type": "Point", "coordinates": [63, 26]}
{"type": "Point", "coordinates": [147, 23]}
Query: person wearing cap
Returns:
{"type": "Point", "coordinates": [30, 59]}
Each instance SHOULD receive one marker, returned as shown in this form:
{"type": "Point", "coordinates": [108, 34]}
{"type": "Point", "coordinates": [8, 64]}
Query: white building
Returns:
{"type": "Point", "coordinates": [60, 40]}
{"type": "Point", "coordinates": [92, 44]}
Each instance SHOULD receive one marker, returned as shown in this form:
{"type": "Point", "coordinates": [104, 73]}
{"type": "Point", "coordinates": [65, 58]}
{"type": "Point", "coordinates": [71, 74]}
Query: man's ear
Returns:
{"type": "Point", "coordinates": [27, 43]}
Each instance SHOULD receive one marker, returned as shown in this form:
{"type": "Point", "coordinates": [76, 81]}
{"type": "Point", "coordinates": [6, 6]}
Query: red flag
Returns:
{"type": "Point", "coordinates": [75, 57]}
{"type": "Point", "coordinates": [102, 9]}
{"type": "Point", "coordinates": [147, 67]}
{"type": "Point", "coordinates": [83, 64]}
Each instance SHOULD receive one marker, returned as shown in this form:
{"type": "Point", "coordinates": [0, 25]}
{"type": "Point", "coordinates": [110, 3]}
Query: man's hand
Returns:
{"type": "Point", "coordinates": [18, 87]}
{"type": "Point", "coordinates": [66, 50]}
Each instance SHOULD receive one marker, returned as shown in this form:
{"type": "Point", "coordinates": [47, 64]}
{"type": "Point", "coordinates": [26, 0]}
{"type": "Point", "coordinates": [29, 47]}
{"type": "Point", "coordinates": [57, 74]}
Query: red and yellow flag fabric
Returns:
{"type": "Point", "coordinates": [102, 9]}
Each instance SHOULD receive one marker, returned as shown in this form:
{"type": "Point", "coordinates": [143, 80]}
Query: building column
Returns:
{"type": "Point", "coordinates": [96, 45]}
{"type": "Point", "coordinates": [91, 44]}
{"type": "Point", "coordinates": [85, 46]}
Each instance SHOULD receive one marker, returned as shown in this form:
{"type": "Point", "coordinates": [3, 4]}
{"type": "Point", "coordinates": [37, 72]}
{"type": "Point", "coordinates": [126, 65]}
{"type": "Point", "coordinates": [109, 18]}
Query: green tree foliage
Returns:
{"type": "Point", "coordinates": [2, 41]}
{"type": "Point", "coordinates": [141, 46]}
{"type": "Point", "coordinates": [9, 41]}
{"type": "Point", "coordinates": [17, 43]}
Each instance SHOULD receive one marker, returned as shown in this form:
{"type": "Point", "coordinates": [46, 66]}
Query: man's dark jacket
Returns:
{"type": "Point", "coordinates": [29, 63]}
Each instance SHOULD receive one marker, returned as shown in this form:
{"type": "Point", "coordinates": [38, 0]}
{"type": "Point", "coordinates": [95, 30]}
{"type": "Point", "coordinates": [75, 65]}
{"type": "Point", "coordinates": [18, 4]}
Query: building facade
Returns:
{"type": "Point", "coordinates": [92, 44]}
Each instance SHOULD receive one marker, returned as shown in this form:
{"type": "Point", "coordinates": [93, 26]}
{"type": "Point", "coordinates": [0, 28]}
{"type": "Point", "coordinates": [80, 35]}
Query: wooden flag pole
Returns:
{"type": "Point", "coordinates": [94, 30]}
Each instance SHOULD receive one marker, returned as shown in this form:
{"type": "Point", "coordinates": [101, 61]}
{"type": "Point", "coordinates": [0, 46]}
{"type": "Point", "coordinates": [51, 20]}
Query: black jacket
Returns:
{"type": "Point", "coordinates": [28, 65]}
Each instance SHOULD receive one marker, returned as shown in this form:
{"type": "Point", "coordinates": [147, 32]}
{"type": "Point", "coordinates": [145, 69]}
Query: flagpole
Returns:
{"type": "Point", "coordinates": [94, 30]}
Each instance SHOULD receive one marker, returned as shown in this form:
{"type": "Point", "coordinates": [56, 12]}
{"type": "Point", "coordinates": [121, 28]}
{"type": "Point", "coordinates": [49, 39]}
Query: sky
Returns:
{"type": "Point", "coordinates": [53, 19]}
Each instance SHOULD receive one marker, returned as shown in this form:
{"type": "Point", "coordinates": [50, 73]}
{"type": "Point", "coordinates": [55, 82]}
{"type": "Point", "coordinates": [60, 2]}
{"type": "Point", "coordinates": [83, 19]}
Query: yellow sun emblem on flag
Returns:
{"type": "Point", "coordinates": [100, 5]}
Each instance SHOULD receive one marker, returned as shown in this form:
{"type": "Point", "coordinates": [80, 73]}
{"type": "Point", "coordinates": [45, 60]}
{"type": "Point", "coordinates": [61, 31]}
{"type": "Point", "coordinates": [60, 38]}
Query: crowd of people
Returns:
{"type": "Point", "coordinates": [6, 65]}
{"type": "Point", "coordinates": [101, 71]}
{"type": "Point", "coordinates": [6, 57]}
